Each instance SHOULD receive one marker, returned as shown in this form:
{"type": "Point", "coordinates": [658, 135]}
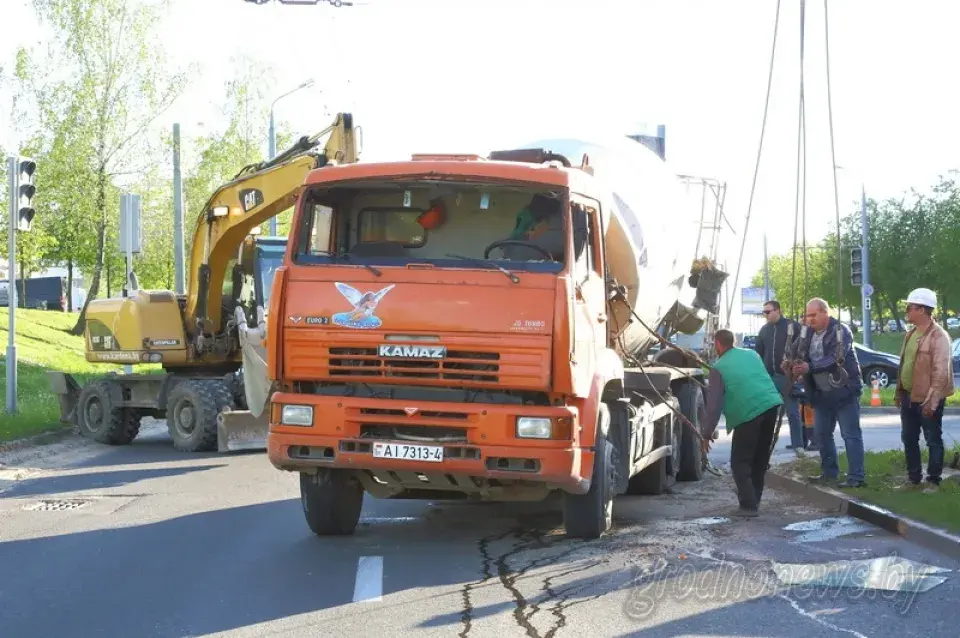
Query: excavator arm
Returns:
{"type": "Point", "coordinates": [257, 193]}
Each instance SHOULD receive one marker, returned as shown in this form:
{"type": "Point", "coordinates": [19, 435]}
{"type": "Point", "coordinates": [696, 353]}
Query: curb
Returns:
{"type": "Point", "coordinates": [924, 535]}
{"type": "Point", "coordinates": [895, 410]}
{"type": "Point", "coordinates": [44, 438]}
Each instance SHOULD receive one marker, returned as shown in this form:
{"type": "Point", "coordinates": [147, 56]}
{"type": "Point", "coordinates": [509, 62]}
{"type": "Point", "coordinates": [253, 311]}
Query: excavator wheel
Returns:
{"type": "Point", "coordinates": [331, 499]}
{"type": "Point", "coordinates": [99, 420]}
{"type": "Point", "coordinates": [590, 515]}
{"type": "Point", "coordinates": [192, 409]}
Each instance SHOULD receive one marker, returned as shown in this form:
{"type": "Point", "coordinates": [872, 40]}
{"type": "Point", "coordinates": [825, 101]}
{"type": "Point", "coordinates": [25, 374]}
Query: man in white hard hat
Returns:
{"type": "Point", "coordinates": [924, 382]}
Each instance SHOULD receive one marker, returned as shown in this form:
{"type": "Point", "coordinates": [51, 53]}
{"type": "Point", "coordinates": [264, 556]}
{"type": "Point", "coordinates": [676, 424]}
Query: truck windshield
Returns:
{"type": "Point", "coordinates": [449, 225]}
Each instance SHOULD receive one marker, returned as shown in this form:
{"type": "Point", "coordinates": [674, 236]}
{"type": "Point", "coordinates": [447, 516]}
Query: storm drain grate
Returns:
{"type": "Point", "coordinates": [57, 505]}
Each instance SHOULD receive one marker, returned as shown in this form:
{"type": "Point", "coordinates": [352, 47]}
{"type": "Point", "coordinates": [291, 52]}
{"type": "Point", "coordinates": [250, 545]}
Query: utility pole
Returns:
{"type": "Point", "coordinates": [13, 171]}
{"type": "Point", "coordinates": [22, 189]}
{"type": "Point", "coordinates": [178, 214]}
{"type": "Point", "coordinates": [866, 290]}
{"type": "Point", "coordinates": [766, 272]}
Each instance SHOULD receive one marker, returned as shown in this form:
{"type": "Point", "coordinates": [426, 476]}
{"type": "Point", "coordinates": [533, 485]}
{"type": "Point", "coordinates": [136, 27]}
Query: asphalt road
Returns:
{"type": "Point", "coordinates": [144, 541]}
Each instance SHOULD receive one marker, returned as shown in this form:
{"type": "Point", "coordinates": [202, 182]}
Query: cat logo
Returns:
{"type": "Point", "coordinates": [250, 198]}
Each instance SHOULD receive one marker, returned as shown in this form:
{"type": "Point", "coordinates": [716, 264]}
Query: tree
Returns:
{"type": "Point", "coordinates": [115, 84]}
{"type": "Point", "coordinates": [912, 243]}
{"type": "Point", "coordinates": [222, 154]}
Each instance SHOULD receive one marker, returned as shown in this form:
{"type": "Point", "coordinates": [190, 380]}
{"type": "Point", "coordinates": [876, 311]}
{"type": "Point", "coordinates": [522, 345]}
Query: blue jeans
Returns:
{"type": "Point", "coordinates": [826, 416]}
{"type": "Point", "coordinates": [912, 423]}
{"type": "Point", "coordinates": [792, 408]}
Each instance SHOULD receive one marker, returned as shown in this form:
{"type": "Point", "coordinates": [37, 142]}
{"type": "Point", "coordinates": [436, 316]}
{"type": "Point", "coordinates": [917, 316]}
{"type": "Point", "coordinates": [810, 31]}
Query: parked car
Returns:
{"type": "Point", "coordinates": [956, 356]}
{"type": "Point", "coordinates": [750, 341]}
{"type": "Point", "coordinates": [881, 366]}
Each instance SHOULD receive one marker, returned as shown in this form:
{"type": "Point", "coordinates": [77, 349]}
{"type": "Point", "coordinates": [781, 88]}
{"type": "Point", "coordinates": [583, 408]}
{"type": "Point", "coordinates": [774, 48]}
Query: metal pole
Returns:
{"type": "Point", "coordinates": [14, 178]}
{"type": "Point", "coordinates": [273, 153]}
{"type": "Point", "coordinates": [129, 213]}
{"type": "Point", "coordinates": [766, 272]}
{"type": "Point", "coordinates": [865, 242]}
{"type": "Point", "coordinates": [177, 214]}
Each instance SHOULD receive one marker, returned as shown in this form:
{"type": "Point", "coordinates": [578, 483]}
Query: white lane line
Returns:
{"type": "Point", "coordinates": [368, 585]}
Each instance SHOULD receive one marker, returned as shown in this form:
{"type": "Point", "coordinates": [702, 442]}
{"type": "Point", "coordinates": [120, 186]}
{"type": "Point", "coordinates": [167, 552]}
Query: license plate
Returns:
{"type": "Point", "coordinates": [406, 452]}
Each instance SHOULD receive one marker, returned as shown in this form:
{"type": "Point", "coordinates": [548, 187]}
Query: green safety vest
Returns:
{"type": "Point", "coordinates": [749, 391]}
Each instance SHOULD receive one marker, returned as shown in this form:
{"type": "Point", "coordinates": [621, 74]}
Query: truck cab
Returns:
{"type": "Point", "coordinates": [443, 328]}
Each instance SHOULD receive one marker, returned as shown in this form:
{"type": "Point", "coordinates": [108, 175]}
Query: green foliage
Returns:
{"type": "Point", "coordinates": [92, 117]}
{"type": "Point", "coordinates": [913, 243]}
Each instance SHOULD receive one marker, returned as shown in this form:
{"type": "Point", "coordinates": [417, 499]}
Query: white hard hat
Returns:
{"type": "Point", "coordinates": [923, 297]}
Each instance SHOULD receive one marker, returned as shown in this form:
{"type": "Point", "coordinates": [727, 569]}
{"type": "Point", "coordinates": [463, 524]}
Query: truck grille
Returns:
{"type": "Point", "coordinates": [458, 365]}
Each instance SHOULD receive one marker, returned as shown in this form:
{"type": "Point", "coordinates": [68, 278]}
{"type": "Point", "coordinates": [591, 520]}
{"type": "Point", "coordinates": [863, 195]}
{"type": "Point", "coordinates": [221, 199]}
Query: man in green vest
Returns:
{"type": "Point", "coordinates": [740, 387]}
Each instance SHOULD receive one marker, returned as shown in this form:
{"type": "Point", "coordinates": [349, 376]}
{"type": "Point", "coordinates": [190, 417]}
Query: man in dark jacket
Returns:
{"type": "Point", "coordinates": [771, 343]}
{"type": "Point", "coordinates": [833, 381]}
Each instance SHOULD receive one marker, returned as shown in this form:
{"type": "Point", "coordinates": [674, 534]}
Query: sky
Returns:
{"type": "Point", "coordinates": [467, 76]}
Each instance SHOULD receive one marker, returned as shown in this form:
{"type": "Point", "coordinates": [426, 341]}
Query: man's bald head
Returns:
{"type": "Point", "coordinates": [818, 314]}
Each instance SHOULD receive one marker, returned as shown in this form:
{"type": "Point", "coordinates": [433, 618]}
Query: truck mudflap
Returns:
{"type": "Point", "coordinates": [239, 430]}
{"type": "Point", "coordinates": [68, 392]}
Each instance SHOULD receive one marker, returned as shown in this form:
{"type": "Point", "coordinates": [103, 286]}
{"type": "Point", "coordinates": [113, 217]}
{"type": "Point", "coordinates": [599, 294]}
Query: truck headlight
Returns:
{"type": "Point", "coordinates": [534, 427]}
{"type": "Point", "coordinates": [296, 415]}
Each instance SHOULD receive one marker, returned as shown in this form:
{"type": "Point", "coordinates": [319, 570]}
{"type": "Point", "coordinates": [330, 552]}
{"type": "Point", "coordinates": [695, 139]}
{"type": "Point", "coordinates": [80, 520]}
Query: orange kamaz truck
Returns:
{"type": "Point", "coordinates": [457, 326]}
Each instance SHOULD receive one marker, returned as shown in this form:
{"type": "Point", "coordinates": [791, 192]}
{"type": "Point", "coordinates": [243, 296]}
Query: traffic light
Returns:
{"type": "Point", "coordinates": [26, 167]}
{"type": "Point", "coordinates": [856, 266]}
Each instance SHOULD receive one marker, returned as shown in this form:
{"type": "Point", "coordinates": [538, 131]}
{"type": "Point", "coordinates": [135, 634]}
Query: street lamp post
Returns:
{"type": "Point", "coordinates": [273, 140]}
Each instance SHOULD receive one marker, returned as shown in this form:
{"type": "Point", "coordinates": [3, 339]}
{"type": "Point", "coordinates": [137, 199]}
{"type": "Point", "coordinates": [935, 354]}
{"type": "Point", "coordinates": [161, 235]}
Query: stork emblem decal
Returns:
{"type": "Point", "coordinates": [364, 304]}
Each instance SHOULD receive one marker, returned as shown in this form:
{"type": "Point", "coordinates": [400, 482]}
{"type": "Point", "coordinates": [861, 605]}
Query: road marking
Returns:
{"type": "Point", "coordinates": [368, 585]}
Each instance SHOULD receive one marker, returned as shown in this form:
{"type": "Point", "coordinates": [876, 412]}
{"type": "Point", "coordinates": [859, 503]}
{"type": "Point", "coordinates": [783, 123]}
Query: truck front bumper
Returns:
{"type": "Point", "coordinates": [478, 441]}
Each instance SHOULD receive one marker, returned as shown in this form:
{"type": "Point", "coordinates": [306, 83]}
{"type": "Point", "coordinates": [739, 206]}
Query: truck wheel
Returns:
{"type": "Point", "coordinates": [590, 515]}
{"type": "Point", "coordinates": [101, 421]}
{"type": "Point", "coordinates": [331, 500]}
{"type": "Point", "coordinates": [692, 406]}
{"type": "Point", "coordinates": [651, 481]}
{"type": "Point", "coordinates": [192, 409]}
{"type": "Point", "coordinates": [655, 479]}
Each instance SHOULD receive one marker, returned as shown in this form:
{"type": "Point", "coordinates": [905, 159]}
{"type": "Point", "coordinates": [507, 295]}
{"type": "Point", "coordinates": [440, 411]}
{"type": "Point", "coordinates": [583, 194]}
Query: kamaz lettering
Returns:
{"type": "Point", "coordinates": [412, 352]}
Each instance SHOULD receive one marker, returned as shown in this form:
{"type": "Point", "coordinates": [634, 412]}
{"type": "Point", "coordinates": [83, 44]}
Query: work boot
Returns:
{"type": "Point", "coordinates": [821, 479]}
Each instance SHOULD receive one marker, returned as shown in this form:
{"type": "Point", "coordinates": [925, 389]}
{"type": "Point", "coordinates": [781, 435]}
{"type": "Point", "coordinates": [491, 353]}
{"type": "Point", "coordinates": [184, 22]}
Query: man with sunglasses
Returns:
{"type": "Point", "coordinates": [924, 382]}
{"type": "Point", "coordinates": [771, 343]}
{"type": "Point", "coordinates": [833, 383]}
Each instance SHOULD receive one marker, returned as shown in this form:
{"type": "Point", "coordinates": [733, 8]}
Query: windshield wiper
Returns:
{"type": "Point", "coordinates": [488, 264]}
{"type": "Point", "coordinates": [349, 258]}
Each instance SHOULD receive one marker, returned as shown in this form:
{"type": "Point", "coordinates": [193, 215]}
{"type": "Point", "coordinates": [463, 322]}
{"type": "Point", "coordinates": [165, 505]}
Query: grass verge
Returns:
{"type": "Point", "coordinates": [887, 398]}
{"type": "Point", "coordinates": [43, 343]}
{"type": "Point", "coordinates": [885, 472]}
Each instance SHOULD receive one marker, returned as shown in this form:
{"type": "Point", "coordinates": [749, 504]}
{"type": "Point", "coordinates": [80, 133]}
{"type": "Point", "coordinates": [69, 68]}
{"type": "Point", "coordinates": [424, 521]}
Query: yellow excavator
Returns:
{"type": "Point", "coordinates": [209, 341]}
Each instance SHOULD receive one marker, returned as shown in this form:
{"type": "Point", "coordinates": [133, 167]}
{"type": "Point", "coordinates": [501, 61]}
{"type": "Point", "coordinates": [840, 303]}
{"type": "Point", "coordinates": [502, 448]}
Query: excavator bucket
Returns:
{"type": "Point", "coordinates": [239, 430]}
{"type": "Point", "coordinates": [247, 429]}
